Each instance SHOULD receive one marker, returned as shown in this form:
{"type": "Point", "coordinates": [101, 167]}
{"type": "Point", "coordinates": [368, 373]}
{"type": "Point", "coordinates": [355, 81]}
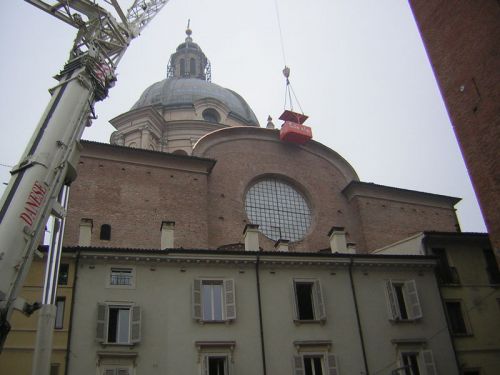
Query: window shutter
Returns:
{"type": "Point", "coordinates": [412, 299]}
{"type": "Point", "coordinates": [102, 322]}
{"type": "Point", "coordinates": [295, 302]}
{"type": "Point", "coordinates": [229, 299]}
{"type": "Point", "coordinates": [135, 326]}
{"type": "Point", "coordinates": [197, 299]}
{"type": "Point", "coordinates": [298, 365]}
{"type": "Point", "coordinates": [320, 304]}
{"type": "Point", "coordinates": [205, 365]}
{"type": "Point", "coordinates": [122, 371]}
{"type": "Point", "coordinates": [332, 364]}
{"type": "Point", "coordinates": [430, 368]}
{"type": "Point", "coordinates": [109, 371]}
{"type": "Point", "coordinates": [394, 312]}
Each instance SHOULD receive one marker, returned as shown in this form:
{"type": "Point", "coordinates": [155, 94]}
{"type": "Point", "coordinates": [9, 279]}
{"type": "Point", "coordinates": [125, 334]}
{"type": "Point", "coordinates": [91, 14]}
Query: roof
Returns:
{"type": "Point", "coordinates": [179, 92]}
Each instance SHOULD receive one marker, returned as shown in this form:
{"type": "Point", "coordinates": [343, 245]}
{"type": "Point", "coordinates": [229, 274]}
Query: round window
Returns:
{"type": "Point", "coordinates": [280, 211]}
{"type": "Point", "coordinates": [211, 115]}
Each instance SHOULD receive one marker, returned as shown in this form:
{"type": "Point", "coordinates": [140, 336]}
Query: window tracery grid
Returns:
{"type": "Point", "coordinates": [279, 209]}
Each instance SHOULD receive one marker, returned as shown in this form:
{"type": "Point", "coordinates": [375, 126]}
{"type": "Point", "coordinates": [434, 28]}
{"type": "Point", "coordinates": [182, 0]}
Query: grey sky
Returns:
{"type": "Point", "coordinates": [359, 70]}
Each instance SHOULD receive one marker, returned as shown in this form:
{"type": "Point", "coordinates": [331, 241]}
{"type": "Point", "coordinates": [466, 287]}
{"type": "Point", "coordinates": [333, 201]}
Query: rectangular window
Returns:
{"type": "Point", "coordinates": [59, 322]}
{"type": "Point", "coordinates": [410, 363]}
{"type": "Point", "coordinates": [121, 276]}
{"type": "Point", "coordinates": [309, 304]}
{"type": "Point", "coordinates": [404, 303]}
{"type": "Point", "coordinates": [445, 273]}
{"type": "Point", "coordinates": [54, 369]}
{"type": "Point", "coordinates": [63, 274]}
{"type": "Point", "coordinates": [456, 318]}
{"type": "Point", "coordinates": [118, 324]}
{"type": "Point", "coordinates": [491, 266]}
{"type": "Point", "coordinates": [214, 300]}
{"type": "Point", "coordinates": [416, 362]}
{"type": "Point", "coordinates": [315, 364]}
{"type": "Point", "coordinates": [215, 365]}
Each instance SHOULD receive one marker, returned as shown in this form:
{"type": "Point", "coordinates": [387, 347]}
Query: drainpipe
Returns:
{"type": "Point", "coordinates": [353, 289]}
{"type": "Point", "coordinates": [257, 275]}
{"type": "Point", "coordinates": [72, 313]}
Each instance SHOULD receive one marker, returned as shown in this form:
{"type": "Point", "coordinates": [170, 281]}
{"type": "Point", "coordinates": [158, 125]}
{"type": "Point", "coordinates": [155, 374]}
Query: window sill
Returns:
{"type": "Point", "coordinates": [118, 345]}
{"type": "Point", "coordinates": [309, 321]}
{"type": "Point", "coordinates": [405, 321]}
{"type": "Point", "coordinates": [228, 321]}
{"type": "Point", "coordinates": [458, 335]}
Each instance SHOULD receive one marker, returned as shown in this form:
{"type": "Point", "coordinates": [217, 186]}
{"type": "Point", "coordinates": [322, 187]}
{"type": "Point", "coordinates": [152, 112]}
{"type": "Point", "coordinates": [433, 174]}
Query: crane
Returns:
{"type": "Point", "coordinates": [37, 188]}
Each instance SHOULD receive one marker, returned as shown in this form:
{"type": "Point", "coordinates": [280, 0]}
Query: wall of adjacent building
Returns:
{"type": "Point", "coordinates": [163, 286]}
{"type": "Point", "coordinates": [462, 39]}
{"type": "Point", "coordinates": [17, 354]}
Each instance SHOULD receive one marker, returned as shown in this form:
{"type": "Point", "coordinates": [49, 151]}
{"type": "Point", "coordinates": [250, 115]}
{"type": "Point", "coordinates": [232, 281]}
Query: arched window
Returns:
{"type": "Point", "coordinates": [179, 152]}
{"type": "Point", "coordinates": [211, 115]}
{"type": "Point", "coordinates": [105, 234]}
{"type": "Point", "coordinates": [182, 67]}
{"type": "Point", "coordinates": [192, 67]}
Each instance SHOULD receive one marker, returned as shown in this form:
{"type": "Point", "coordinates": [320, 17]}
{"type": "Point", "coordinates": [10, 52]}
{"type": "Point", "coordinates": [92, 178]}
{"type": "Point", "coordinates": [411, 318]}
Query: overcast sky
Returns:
{"type": "Point", "coordinates": [358, 67]}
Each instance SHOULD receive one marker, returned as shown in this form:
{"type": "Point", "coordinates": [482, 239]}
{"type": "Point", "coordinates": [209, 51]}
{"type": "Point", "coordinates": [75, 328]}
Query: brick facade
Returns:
{"type": "Point", "coordinates": [462, 39]}
{"type": "Point", "coordinates": [134, 190]}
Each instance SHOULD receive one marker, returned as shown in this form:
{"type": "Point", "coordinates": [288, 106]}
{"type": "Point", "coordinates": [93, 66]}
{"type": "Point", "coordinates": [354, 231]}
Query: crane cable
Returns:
{"type": "Point", "coordinates": [286, 71]}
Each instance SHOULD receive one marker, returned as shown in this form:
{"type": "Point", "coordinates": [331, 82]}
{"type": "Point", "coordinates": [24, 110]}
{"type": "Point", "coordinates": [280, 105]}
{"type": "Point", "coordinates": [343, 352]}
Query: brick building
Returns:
{"type": "Point", "coordinates": [462, 39]}
{"type": "Point", "coordinates": [191, 152]}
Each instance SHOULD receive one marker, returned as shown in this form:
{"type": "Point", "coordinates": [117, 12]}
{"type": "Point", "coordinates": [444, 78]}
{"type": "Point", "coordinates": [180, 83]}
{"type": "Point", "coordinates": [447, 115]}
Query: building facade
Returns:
{"type": "Point", "coordinates": [184, 311]}
{"type": "Point", "coordinates": [17, 354]}
{"type": "Point", "coordinates": [470, 287]}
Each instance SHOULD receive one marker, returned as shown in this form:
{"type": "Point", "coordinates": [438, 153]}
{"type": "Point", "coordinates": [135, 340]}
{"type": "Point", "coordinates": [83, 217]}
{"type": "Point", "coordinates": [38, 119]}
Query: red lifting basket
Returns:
{"type": "Point", "coordinates": [293, 129]}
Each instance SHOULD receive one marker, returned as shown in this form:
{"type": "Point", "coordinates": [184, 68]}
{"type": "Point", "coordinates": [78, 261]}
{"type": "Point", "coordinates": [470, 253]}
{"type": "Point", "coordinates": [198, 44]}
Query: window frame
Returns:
{"type": "Point", "coordinates": [424, 358]}
{"type": "Point", "coordinates": [411, 301]}
{"type": "Point", "coordinates": [63, 278]}
{"type": "Point", "coordinates": [105, 232]}
{"type": "Point", "coordinates": [228, 301]}
{"type": "Point", "coordinates": [317, 300]}
{"type": "Point", "coordinates": [463, 315]}
{"type": "Point", "coordinates": [329, 362]}
{"type": "Point", "coordinates": [206, 362]}
{"type": "Point", "coordinates": [59, 313]}
{"type": "Point", "coordinates": [103, 323]}
{"type": "Point", "coordinates": [109, 277]}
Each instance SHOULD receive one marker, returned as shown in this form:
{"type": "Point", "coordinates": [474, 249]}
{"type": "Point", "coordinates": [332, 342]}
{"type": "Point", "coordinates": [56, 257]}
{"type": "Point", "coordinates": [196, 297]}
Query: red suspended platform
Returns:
{"type": "Point", "coordinates": [293, 129]}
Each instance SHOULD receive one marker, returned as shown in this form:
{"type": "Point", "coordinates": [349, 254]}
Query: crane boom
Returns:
{"type": "Point", "coordinates": [104, 31]}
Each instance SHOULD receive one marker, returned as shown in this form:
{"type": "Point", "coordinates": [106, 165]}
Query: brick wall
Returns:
{"type": "Point", "coordinates": [462, 39]}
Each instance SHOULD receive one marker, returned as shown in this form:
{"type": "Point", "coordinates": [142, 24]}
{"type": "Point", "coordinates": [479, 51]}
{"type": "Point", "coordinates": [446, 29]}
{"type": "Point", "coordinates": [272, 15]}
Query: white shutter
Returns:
{"type": "Point", "coordinates": [320, 304]}
{"type": "Point", "coordinates": [196, 296]}
{"type": "Point", "coordinates": [135, 325]}
{"type": "Point", "coordinates": [394, 312]}
{"type": "Point", "coordinates": [109, 371]}
{"type": "Point", "coordinates": [430, 368]}
{"type": "Point", "coordinates": [122, 371]}
{"type": "Point", "coordinates": [331, 365]}
{"type": "Point", "coordinates": [102, 322]}
{"type": "Point", "coordinates": [298, 365]}
{"type": "Point", "coordinates": [229, 299]}
{"type": "Point", "coordinates": [412, 300]}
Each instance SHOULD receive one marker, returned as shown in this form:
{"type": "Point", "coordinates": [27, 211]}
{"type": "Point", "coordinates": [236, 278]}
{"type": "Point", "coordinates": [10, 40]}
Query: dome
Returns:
{"type": "Point", "coordinates": [179, 92]}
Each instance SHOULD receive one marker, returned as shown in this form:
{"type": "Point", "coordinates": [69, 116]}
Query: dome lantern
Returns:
{"type": "Point", "coordinates": [189, 61]}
